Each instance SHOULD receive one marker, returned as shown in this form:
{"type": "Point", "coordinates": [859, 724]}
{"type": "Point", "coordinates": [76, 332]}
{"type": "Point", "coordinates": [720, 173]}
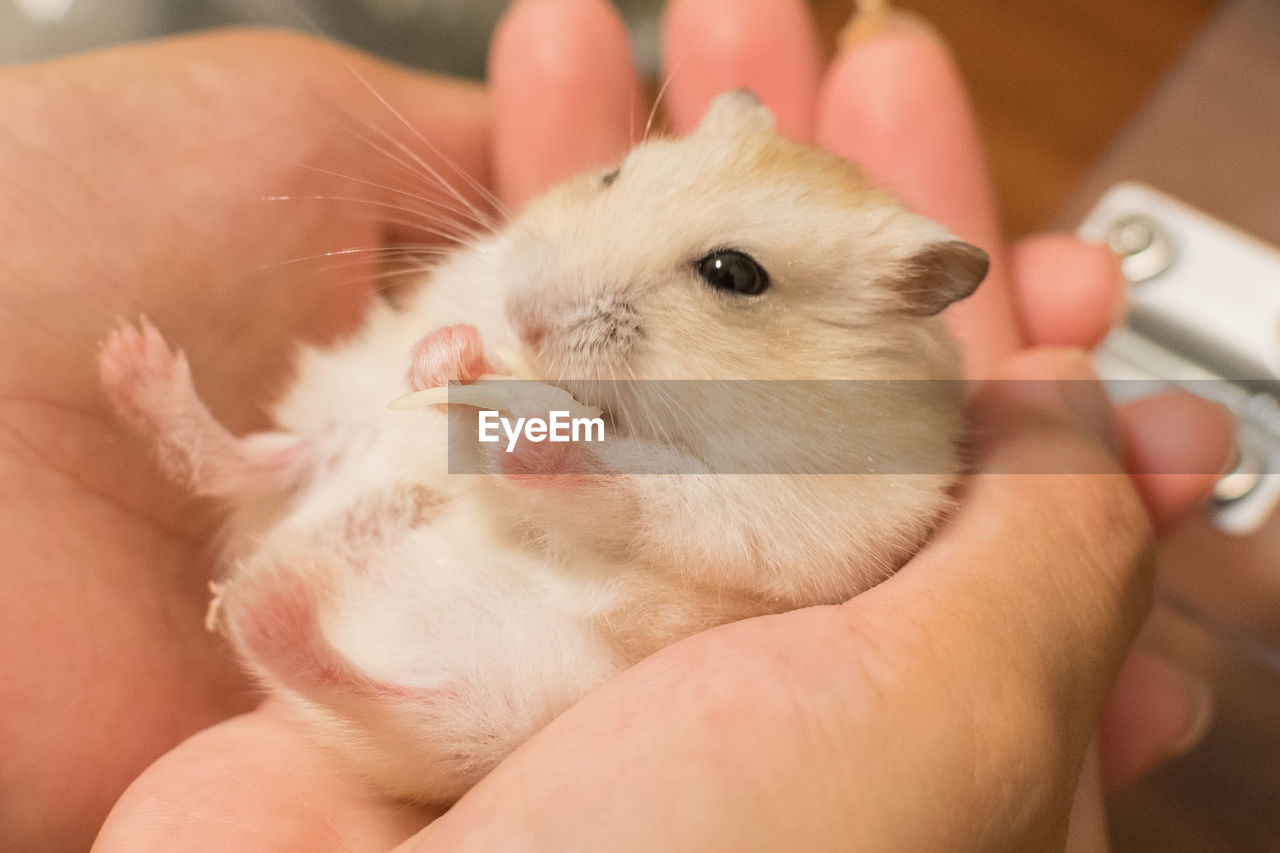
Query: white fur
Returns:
{"type": "Point", "coordinates": [511, 603]}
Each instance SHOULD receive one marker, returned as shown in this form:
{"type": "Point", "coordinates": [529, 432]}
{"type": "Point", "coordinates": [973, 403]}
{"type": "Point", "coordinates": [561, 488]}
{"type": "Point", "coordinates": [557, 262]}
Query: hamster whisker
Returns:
{"type": "Point", "coordinates": [838, 324]}
{"type": "Point", "coordinates": [427, 200]}
{"type": "Point", "coordinates": [450, 239]}
{"type": "Point", "coordinates": [383, 281]}
{"type": "Point", "coordinates": [631, 115]}
{"type": "Point", "coordinates": [351, 259]}
{"type": "Point", "coordinates": [450, 232]}
{"type": "Point", "coordinates": [345, 258]}
{"type": "Point", "coordinates": [417, 222]}
{"type": "Point", "coordinates": [627, 421]}
{"type": "Point", "coordinates": [408, 125]}
{"type": "Point", "coordinates": [669, 407]}
{"type": "Point", "coordinates": [662, 90]}
{"type": "Point", "coordinates": [414, 170]}
{"type": "Point", "coordinates": [652, 427]}
{"type": "Point", "coordinates": [354, 250]}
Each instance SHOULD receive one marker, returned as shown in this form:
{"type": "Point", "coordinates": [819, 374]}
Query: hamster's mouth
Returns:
{"type": "Point", "coordinates": [630, 407]}
{"type": "Point", "coordinates": [596, 393]}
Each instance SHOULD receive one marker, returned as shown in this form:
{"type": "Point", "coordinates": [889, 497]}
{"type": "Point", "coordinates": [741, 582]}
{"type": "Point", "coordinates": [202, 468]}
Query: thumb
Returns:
{"type": "Point", "coordinates": [1051, 551]}
{"type": "Point", "coordinates": [1042, 578]}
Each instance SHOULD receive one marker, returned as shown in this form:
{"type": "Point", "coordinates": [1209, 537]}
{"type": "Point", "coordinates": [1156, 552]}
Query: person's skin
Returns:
{"type": "Point", "coordinates": [135, 182]}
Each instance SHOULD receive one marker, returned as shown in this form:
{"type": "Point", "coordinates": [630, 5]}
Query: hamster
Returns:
{"type": "Point", "coordinates": [422, 624]}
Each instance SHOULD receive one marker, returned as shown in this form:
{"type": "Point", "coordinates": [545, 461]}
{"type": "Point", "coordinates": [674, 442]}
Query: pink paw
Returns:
{"type": "Point", "coordinates": [449, 354]}
{"type": "Point", "coordinates": [143, 378]}
{"type": "Point", "coordinates": [150, 386]}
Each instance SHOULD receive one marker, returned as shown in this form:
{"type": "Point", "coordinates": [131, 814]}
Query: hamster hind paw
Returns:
{"type": "Point", "coordinates": [150, 387]}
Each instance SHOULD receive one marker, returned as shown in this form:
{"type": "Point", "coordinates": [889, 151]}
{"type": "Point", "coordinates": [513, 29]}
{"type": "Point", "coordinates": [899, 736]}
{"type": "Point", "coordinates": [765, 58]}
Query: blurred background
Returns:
{"type": "Point", "coordinates": [1072, 97]}
{"type": "Point", "coordinates": [1052, 80]}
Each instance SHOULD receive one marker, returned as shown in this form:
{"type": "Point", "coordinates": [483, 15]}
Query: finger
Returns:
{"type": "Point", "coordinates": [1047, 565]}
{"type": "Point", "coordinates": [768, 46]}
{"type": "Point", "coordinates": [1176, 447]}
{"type": "Point", "coordinates": [1156, 711]}
{"type": "Point", "coordinates": [246, 160]}
{"type": "Point", "coordinates": [1058, 381]}
{"type": "Point", "coordinates": [1067, 292]}
{"type": "Point", "coordinates": [565, 93]}
{"type": "Point", "coordinates": [896, 105]}
{"type": "Point", "coordinates": [285, 795]}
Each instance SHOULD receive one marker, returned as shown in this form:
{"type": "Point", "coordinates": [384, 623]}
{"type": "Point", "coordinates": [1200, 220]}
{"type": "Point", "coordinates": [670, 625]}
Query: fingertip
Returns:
{"type": "Point", "coordinates": [1156, 711]}
{"type": "Point", "coordinates": [895, 104]}
{"type": "Point", "coordinates": [566, 96]}
{"type": "Point", "coordinates": [1068, 292]}
{"type": "Point", "coordinates": [1176, 446]}
{"type": "Point", "coordinates": [869, 22]}
{"type": "Point", "coordinates": [1046, 565]}
{"type": "Point", "coordinates": [768, 46]}
{"type": "Point", "coordinates": [1047, 363]}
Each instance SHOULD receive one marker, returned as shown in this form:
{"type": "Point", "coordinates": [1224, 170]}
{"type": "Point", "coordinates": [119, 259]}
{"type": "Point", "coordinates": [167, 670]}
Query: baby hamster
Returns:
{"type": "Point", "coordinates": [422, 624]}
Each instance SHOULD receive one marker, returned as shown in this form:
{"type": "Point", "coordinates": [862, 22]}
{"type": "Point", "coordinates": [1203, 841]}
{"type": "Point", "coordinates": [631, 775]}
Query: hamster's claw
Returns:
{"type": "Point", "coordinates": [450, 354]}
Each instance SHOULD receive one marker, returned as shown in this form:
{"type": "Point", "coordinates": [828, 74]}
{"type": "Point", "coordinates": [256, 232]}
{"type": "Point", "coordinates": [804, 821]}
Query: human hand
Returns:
{"type": "Point", "coordinates": [140, 180]}
{"type": "Point", "coordinates": [733, 740]}
{"type": "Point", "coordinates": [247, 111]}
{"type": "Point", "coordinates": [948, 708]}
{"type": "Point", "coordinates": [135, 183]}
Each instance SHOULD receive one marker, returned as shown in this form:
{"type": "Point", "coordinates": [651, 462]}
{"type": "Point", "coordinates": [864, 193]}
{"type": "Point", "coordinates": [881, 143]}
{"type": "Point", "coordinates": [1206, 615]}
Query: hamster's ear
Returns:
{"type": "Point", "coordinates": [734, 112]}
{"type": "Point", "coordinates": [941, 273]}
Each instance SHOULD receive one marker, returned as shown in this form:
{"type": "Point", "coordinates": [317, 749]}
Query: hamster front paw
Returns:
{"type": "Point", "coordinates": [449, 354]}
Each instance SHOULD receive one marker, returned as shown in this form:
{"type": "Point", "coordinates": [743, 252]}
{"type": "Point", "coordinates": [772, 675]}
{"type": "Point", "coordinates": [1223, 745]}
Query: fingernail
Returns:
{"type": "Point", "coordinates": [873, 19]}
{"type": "Point", "coordinates": [1199, 705]}
{"type": "Point", "coordinates": [1235, 453]}
{"type": "Point", "coordinates": [1120, 307]}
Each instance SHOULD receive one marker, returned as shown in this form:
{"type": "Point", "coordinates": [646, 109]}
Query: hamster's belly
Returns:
{"type": "Point", "coordinates": [415, 639]}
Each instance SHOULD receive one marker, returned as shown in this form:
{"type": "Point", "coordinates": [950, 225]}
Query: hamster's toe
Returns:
{"type": "Point", "coordinates": [142, 377]}
{"type": "Point", "coordinates": [450, 354]}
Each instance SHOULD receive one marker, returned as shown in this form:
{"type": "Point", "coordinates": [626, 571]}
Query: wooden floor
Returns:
{"type": "Point", "coordinates": [1052, 80]}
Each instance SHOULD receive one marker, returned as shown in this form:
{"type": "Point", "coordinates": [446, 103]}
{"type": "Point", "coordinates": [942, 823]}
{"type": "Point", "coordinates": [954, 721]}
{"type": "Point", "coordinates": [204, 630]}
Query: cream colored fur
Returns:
{"type": "Point", "coordinates": [495, 605]}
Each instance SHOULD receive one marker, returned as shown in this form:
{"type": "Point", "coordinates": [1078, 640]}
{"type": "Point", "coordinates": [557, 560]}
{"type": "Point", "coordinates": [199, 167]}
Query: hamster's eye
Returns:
{"type": "Point", "coordinates": [734, 271]}
{"type": "Point", "coordinates": [608, 179]}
